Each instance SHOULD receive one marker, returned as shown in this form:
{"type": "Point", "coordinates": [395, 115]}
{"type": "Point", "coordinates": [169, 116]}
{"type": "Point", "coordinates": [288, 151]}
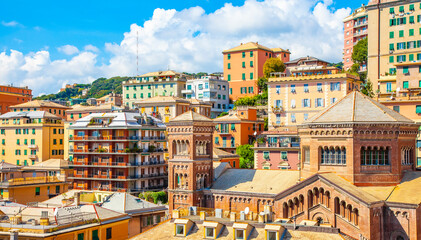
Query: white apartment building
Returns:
{"type": "Point", "coordinates": [210, 89]}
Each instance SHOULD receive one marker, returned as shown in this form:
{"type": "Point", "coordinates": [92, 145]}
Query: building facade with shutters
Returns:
{"type": "Point", "coordinates": [394, 31]}
{"type": "Point", "coordinates": [355, 29]}
{"type": "Point", "coordinates": [123, 151]}
{"type": "Point", "coordinates": [357, 176]}
{"type": "Point", "coordinates": [31, 137]}
{"type": "Point", "coordinates": [243, 66]}
{"type": "Point", "coordinates": [153, 84]}
{"type": "Point", "coordinates": [10, 96]}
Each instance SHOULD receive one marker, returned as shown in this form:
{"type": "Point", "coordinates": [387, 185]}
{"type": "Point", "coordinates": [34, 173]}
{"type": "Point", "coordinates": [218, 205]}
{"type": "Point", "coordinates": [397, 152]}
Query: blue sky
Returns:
{"type": "Point", "coordinates": [39, 29]}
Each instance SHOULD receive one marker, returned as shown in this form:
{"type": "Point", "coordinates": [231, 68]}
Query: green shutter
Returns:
{"type": "Point", "coordinates": [404, 20]}
{"type": "Point", "coordinates": [411, 57]}
{"type": "Point", "coordinates": [411, 7]}
{"type": "Point", "coordinates": [251, 76]}
{"type": "Point", "coordinates": [411, 19]}
{"type": "Point", "coordinates": [391, 46]}
{"type": "Point", "coordinates": [244, 64]}
{"type": "Point", "coordinates": [411, 32]}
{"type": "Point", "coordinates": [244, 76]}
{"type": "Point", "coordinates": [229, 65]}
{"type": "Point", "coordinates": [418, 109]}
{"type": "Point", "coordinates": [229, 77]}
{"type": "Point", "coordinates": [401, 9]}
{"type": "Point", "coordinates": [401, 33]}
{"type": "Point", "coordinates": [405, 84]}
{"type": "Point", "coordinates": [251, 63]}
{"type": "Point", "coordinates": [392, 34]}
{"type": "Point", "coordinates": [391, 10]}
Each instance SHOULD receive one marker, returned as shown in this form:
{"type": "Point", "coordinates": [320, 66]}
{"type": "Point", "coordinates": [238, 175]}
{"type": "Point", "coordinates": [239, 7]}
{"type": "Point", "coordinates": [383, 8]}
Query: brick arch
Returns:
{"type": "Point", "coordinates": [321, 215]}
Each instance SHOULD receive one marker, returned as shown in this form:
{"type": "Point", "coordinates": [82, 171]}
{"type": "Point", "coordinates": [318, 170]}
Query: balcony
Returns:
{"type": "Point", "coordinates": [33, 156]}
{"type": "Point", "coordinates": [116, 164]}
{"type": "Point", "coordinates": [277, 109]}
{"type": "Point", "coordinates": [104, 138]}
{"type": "Point", "coordinates": [187, 91]}
{"type": "Point", "coordinates": [33, 146]}
{"type": "Point", "coordinates": [30, 180]}
{"type": "Point", "coordinates": [278, 145]}
{"type": "Point", "coordinates": [104, 151]}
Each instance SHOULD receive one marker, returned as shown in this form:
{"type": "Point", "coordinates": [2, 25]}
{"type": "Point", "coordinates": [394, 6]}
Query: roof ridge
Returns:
{"type": "Point", "coordinates": [331, 106]}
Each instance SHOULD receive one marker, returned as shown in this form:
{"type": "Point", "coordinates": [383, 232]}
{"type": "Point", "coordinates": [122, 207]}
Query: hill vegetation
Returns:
{"type": "Point", "coordinates": [97, 89]}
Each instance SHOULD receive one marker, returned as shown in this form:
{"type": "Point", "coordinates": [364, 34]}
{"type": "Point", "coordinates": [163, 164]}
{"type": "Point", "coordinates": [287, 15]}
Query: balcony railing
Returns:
{"type": "Point", "coordinates": [31, 180]}
{"type": "Point", "coordinates": [279, 145]}
{"type": "Point", "coordinates": [118, 164]}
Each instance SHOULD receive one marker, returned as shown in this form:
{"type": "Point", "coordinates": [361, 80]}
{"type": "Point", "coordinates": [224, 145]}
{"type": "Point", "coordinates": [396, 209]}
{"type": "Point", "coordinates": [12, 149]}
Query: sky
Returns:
{"type": "Point", "coordinates": [46, 44]}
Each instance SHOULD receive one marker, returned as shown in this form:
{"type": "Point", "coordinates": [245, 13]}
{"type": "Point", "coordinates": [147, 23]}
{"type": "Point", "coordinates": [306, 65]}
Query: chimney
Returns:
{"type": "Point", "coordinates": [77, 198]}
{"type": "Point", "coordinates": [44, 220]}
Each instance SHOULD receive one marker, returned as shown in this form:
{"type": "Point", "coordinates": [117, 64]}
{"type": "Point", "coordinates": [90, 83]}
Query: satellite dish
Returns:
{"type": "Point", "coordinates": [247, 210]}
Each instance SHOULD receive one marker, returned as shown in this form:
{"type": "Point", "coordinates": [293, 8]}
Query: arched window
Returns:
{"type": "Point", "coordinates": [333, 155]}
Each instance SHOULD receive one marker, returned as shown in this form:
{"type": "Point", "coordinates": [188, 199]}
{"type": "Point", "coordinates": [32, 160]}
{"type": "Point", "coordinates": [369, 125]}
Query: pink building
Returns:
{"type": "Point", "coordinates": [277, 149]}
{"type": "Point", "coordinates": [355, 29]}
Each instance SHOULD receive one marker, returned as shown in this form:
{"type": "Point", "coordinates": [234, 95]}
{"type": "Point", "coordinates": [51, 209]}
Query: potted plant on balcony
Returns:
{"type": "Point", "coordinates": [151, 148]}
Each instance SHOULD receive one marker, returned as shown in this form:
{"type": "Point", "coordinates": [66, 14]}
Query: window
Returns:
{"type": "Point", "coordinates": [210, 232]}
{"type": "Point", "coordinates": [293, 117]}
{"type": "Point", "coordinates": [388, 87]}
{"type": "Point", "coordinates": [306, 102]}
{"type": "Point", "coordinates": [266, 155]}
{"type": "Point", "coordinates": [400, 33]}
{"type": "Point", "coordinates": [179, 230]}
{"type": "Point", "coordinates": [401, 45]}
{"type": "Point", "coordinates": [81, 236]}
{"type": "Point", "coordinates": [332, 100]}
{"type": "Point", "coordinates": [391, 46]}
{"type": "Point", "coordinates": [401, 58]}
{"type": "Point", "coordinates": [229, 77]}
{"type": "Point", "coordinates": [405, 70]}
{"type": "Point", "coordinates": [217, 139]}
{"type": "Point", "coordinates": [292, 103]}
{"type": "Point", "coordinates": [333, 156]}
{"type": "Point", "coordinates": [374, 155]}
{"type": "Point", "coordinates": [391, 59]}
{"type": "Point", "coordinates": [37, 191]}
{"type": "Point", "coordinates": [251, 53]}
{"type": "Point", "coordinates": [418, 109]}
{"type": "Point", "coordinates": [305, 116]}
{"type": "Point", "coordinates": [251, 63]}
{"type": "Point", "coordinates": [251, 90]}
{"type": "Point", "coordinates": [411, 7]}
{"type": "Point", "coordinates": [251, 76]}
{"type": "Point", "coordinates": [336, 86]}
{"type": "Point", "coordinates": [411, 20]}
{"type": "Point", "coordinates": [405, 84]}
{"type": "Point", "coordinates": [206, 85]}
{"type": "Point", "coordinates": [229, 56]}
{"type": "Point", "coordinates": [244, 54]}
{"type": "Point", "coordinates": [402, 9]}
{"type": "Point", "coordinates": [95, 234]}
{"type": "Point", "coordinates": [243, 64]}
{"type": "Point", "coordinates": [284, 155]}
{"type": "Point", "coordinates": [391, 35]}
{"type": "Point", "coordinates": [392, 10]}
{"type": "Point", "coordinates": [243, 76]}
{"type": "Point", "coordinates": [319, 87]}
{"type": "Point", "coordinates": [306, 87]}
{"type": "Point", "coordinates": [239, 234]}
{"type": "Point", "coordinates": [109, 233]}
{"type": "Point", "coordinates": [278, 89]}
{"type": "Point", "coordinates": [319, 102]}
{"type": "Point", "coordinates": [293, 88]}
{"type": "Point", "coordinates": [229, 65]}
{"type": "Point", "coordinates": [57, 189]}
{"type": "Point", "coordinates": [278, 119]}
{"type": "Point", "coordinates": [230, 91]}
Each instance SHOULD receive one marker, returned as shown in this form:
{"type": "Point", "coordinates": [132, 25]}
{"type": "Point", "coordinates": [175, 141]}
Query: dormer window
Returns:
{"type": "Point", "coordinates": [241, 230]}
{"type": "Point", "coordinates": [179, 230]}
{"type": "Point", "coordinates": [182, 227]}
{"type": "Point", "coordinates": [209, 232]}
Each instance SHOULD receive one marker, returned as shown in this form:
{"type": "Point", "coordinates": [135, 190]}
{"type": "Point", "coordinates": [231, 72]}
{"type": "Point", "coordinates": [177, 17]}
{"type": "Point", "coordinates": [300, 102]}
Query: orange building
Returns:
{"type": "Point", "coordinates": [221, 156]}
{"type": "Point", "coordinates": [239, 127]}
{"type": "Point", "coordinates": [41, 105]}
{"type": "Point", "coordinates": [10, 95]}
{"type": "Point", "coordinates": [243, 65]}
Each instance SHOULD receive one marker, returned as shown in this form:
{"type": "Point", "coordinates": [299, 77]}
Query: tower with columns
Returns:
{"type": "Point", "coordinates": [190, 169]}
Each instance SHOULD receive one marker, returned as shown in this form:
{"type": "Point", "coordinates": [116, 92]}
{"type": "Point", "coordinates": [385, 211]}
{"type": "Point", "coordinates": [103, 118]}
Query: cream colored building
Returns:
{"type": "Point", "coordinates": [296, 98]}
{"type": "Point", "coordinates": [153, 84]}
{"type": "Point", "coordinates": [394, 36]}
{"type": "Point", "coordinates": [167, 107]}
{"type": "Point", "coordinates": [30, 137]}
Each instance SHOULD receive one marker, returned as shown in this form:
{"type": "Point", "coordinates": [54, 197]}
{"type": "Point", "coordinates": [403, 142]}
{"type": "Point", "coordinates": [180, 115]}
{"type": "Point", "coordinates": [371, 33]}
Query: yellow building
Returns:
{"type": "Point", "coordinates": [394, 36]}
{"type": "Point", "coordinates": [62, 222]}
{"type": "Point", "coordinates": [30, 137]}
{"type": "Point", "coordinates": [296, 98]}
{"type": "Point", "coordinates": [167, 107]}
{"type": "Point", "coordinates": [41, 105]}
{"type": "Point", "coordinates": [34, 183]}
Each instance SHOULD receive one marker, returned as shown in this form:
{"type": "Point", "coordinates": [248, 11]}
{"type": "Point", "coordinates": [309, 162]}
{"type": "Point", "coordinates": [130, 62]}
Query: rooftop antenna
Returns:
{"type": "Point", "coordinates": [137, 52]}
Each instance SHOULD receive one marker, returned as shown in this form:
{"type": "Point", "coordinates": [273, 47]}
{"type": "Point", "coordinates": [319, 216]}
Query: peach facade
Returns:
{"type": "Point", "coordinates": [293, 100]}
{"type": "Point", "coordinates": [243, 65]}
{"type": "Point", "coordinates": [239, 127]}
{"type": "Point", "coordinates": [355, 29]}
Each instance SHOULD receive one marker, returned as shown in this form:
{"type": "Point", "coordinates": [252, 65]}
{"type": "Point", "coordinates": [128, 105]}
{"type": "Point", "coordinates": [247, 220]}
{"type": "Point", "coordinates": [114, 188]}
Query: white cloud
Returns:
{"type": "Point", "coordinates": [189, 40]}
{"type": "Point", "coordinates": [68, 49]}
{"type": "Point", "coordinates": [91, 48]}
{"type": "Point", "coordinates": [10, 24]}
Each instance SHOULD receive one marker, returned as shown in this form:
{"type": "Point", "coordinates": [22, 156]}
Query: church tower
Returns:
{"type": "Point", "coordinates": [190, 159]}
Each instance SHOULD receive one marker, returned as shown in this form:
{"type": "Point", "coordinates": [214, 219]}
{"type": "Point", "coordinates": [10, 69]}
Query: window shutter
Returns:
{"type": "Point", "coordinates": [302, 103]}
{"type": "Point", "coordinates": [404, 20]}
{"type": "Point", "coordinates": [309, 102]}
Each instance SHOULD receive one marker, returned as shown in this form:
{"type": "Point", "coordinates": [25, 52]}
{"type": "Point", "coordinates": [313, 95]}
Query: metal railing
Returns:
{"type": "Point", "coordinates": [31, 180]}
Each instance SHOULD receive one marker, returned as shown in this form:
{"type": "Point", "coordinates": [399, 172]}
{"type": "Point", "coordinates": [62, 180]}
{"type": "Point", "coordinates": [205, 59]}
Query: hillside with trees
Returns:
{"type": "Point", "coordinates": [97, 89]}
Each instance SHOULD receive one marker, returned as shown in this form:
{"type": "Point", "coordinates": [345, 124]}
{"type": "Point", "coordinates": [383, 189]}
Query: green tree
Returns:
{"type": "Point", "coordinates": [262, 83]}
{"type": "Point", "coordinates": [245, 101]}
{"type": "Point", "coordinates": [367, 88]}
{"type": "Point", "coordinates": [266, 124]}
{"type": "Point", "coordinates": [360, 52]}
{"type": "Point", "coordinates": [223, 114]}
{"type": "Point", "coordinates": [273, 65]}
{"type": "Point", "coordinates": [154, 197]}
{"type": "Point", "coordinates": [246, 156]}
